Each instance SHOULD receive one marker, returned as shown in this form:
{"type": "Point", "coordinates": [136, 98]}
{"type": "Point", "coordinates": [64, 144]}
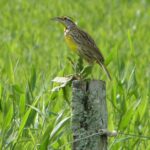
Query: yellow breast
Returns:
{"type": "Point", "coordinates": [70, 42]}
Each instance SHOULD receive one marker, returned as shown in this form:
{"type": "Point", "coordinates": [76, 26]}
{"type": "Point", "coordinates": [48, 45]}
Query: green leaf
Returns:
{"type": "Point", "coordinates": [79, 65]}
{"type": "Point", "coordinates": [126, 118]}
{"type": "Point", "coordinates": [24, 120]}
{"type": "Point", "coordinates": [17, 88]}
{"type": "Point", "coordinates": [109, 58]}
{"type": "Point", "coordinates": [22, 104]}
{"type": "Point", "coordinates": [57, 88]}
{"type": "Point", "coordinates": [31, 118]}
{"type": "Point", "coordinates": [8, 118]}
{"type": "Point", "coordinates": [33, 80]}
{"type": "Point", "coordinates": [60, 115]}
{"type": "Point", "coordinates": [10, 70]}
{"type": "Point", "coordinates": [53, 95]}
{"type": "Point", "coordinates": [58, 127]}
{"type": "Point", "coordinates": [132, 53]}
{"type": "Point", "coordinates": [86, 71]}
{"type": "Point", "coordinates": [45, 138]}
{"type": "Point", "coordinates": [66, 96]}
{"type": "Point", "coordinates": [142, 109]}
{"type": "Point", "coordinates": [132, 83]}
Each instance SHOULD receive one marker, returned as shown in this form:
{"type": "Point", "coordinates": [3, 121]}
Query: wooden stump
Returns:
{"type": "Point", "coordinates": [89, 114]}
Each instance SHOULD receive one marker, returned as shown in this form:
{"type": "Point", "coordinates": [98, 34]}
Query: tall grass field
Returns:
{"type": "Point", "coordinates": [33, 52]}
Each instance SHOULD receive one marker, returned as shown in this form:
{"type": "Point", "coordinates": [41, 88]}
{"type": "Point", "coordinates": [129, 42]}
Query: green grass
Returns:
{"type": "Point", "coordinates": [33, 52]}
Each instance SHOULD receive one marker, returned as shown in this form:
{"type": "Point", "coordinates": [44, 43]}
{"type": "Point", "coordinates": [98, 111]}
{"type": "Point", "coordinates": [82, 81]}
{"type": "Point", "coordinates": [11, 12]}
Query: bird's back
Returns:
{"type": "Point", "coordinates": [84, 44]}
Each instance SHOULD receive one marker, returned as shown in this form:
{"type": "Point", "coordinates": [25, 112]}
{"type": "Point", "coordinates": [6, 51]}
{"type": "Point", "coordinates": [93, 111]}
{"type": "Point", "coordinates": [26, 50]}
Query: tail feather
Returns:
{"type": "Point", "coordinates": [105, 69]}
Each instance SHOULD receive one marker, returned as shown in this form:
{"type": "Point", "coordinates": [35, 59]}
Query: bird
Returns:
{"type": "Point", "coordinates": [81, 42]}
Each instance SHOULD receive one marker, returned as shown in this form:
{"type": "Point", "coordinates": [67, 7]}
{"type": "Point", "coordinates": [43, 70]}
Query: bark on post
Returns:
{"type": "Point", "coordinates": [89, 114]}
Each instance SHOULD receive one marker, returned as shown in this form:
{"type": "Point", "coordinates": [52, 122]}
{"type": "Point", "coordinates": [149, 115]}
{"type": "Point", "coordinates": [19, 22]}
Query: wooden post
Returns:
{"type": "Point", "coordinates": [89, 114]}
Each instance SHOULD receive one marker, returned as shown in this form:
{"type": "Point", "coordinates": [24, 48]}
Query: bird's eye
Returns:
{"type": "Point", "coordinates": [65, 18]}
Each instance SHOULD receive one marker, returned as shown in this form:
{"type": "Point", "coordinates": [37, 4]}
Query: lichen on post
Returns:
{"type": "Point", "coordinates": [89, 114]}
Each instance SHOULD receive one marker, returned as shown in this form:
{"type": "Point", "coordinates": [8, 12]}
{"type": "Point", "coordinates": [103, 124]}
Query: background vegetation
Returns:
{"type": "Point", "coordinates": [33, 52]}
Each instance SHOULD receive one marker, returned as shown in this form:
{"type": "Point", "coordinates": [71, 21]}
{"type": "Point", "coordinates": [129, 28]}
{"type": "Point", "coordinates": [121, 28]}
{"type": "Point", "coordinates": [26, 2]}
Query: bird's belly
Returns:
{"type": "Point", "coordinates": [71, 43]}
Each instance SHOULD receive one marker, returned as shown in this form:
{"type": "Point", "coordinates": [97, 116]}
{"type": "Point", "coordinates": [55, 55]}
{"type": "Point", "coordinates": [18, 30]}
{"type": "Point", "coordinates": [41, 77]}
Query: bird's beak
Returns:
{"type": "Point", "coordinates": [59, 19]}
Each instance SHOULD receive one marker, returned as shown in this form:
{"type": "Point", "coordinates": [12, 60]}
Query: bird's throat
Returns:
{"type": "Point", "coordinates": [69, 40]}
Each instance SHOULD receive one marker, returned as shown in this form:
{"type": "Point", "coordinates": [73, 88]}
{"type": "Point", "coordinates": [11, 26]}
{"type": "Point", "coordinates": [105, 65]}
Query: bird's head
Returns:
{"type": "Point", "coordinates": [66, 21]}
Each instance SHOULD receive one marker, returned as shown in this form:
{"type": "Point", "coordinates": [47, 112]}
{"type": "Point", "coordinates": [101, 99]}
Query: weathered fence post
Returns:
{"type": "Point", "coordinates": [89, 114]}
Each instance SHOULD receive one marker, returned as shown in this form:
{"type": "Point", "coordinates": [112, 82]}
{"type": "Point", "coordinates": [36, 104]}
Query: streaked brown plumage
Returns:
{"type": "Point", "coordinates": [81, 42]}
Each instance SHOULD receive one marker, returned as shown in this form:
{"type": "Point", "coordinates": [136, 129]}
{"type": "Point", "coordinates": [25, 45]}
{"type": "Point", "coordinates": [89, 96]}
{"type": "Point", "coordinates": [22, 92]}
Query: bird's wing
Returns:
{"type": "Point", "coordinates": [89, 43]}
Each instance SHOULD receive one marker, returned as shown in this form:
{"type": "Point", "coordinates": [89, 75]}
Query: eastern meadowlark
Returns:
{"type": "Point", "coordinates": [82, 43]}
